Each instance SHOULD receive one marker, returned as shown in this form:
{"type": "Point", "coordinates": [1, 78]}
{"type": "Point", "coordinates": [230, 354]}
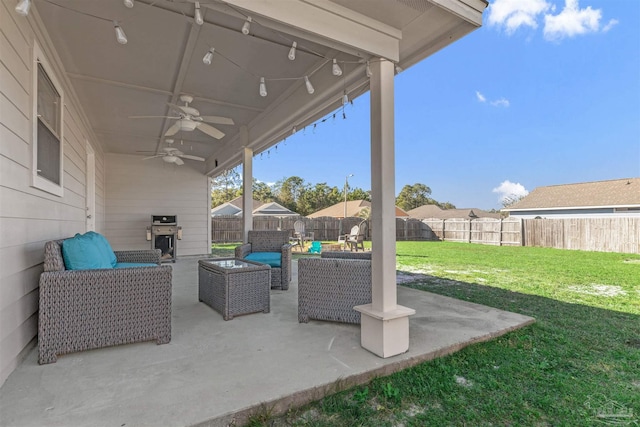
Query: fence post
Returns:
{"type": "Point", "coordinates": [443, 233]}
{"type": "Point", "coordinates": [500, 233]}
{"type": "Point", "coordinates": [469, 230]}
{"type": "Point", "coordinates": [522, 242]}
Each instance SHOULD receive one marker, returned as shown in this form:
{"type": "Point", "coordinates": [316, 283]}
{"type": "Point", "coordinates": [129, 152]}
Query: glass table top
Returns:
{"type": "Point", "coordinates": [230, 263]}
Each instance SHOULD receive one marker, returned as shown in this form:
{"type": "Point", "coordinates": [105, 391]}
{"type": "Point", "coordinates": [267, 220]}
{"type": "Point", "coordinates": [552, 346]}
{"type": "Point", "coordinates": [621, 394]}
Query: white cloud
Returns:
{"type": "Point", "coordinates": [502, 102]}
{"type": "Point", "coordinates": [612, 23]}
{"type": "Point", "coordinates": [513, 14]}
{"type": "Point", "coordinates": [480, 97]}
{"type": "Point", "coordinates": [510, 15]}
{"type": "Point", "coordinates": [508, 190]}
{"type": "Point", "coordinates": [572, 21]}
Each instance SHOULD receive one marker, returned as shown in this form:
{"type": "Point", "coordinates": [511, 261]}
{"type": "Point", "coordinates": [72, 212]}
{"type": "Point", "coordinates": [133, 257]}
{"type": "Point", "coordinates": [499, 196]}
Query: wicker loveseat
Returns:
{"type": "Point", "coordinates": [86, 309]}
{"type": "Point", "coordinates": [329, 287]}
{"type": "Point", "coordinates": [275, 243]}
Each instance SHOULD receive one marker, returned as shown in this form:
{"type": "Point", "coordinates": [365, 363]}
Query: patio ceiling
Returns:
{"type": "Point", "coordinates": [163, 59]}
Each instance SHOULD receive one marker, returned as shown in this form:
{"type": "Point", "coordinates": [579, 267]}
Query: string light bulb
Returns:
{"type": "Point", "coordinates": [246, 26]}
{"type": "Point", "coordinates": [335, 68]}
{"type": "Point", "coordinates": [263, 87]}
{"type": "Point", "coordinates": [120, 35]}
{"type": "Point", "coordinates": [368, 70]}
{"type": "Point", "coordinates": [23, 7]}
{"type": "Point", "coordinates": [208, 56]}
{"type": "Point", "coordinates": [292, 51]}
{"type": "Point", "coordinates": [198, 14]}
{"type": "Point", "coordinates": [128, 3]}
{"type": "Point", "coordinates": [294, 130]}
{"type": "Point", "coordinates": [310, 88]}
{"type": "Point", "coordinates": [399, 69]}
{"type": "Point", "coordinates": [345, 98]}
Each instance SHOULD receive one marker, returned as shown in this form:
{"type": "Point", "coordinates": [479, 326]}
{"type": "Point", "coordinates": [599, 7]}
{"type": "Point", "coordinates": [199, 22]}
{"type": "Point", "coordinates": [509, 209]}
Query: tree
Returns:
{"type": "Point", "coordinates": [413, 196]}
{"type": "Point", "coordinates": [511, 199]}
{"type": "Point", "coordinates": [262, 191]}
{"type": "Point", "coordinates": [358, 194]}
{"type": "Point", "coordinates": [318, 197]}
{"type": "Point", "coordinates": [225, 187]}
{"type": "Point", "coordinates": [288, 191]}
{"type": "Point", "coordinates": [445, 205]}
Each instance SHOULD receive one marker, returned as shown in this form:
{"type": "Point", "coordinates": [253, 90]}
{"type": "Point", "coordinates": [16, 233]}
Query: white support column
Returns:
{"type": "Point", "coordinates": [385, 325]}
{"type": "Point", "coordinates": [247, 185]}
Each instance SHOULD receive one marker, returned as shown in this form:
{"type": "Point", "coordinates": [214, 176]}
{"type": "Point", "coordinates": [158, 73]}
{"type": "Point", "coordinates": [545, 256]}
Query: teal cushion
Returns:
{"type": "Point", "coordinates": [81, 253]}
{"type": "Point", "coordinates": [103, 246]}
{"type": "Point", "coordinates": [274, 259]}
{"type": "Point", "coordinates": [134, 264]}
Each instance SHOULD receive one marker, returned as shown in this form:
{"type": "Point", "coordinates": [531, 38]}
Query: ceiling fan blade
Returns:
{"type": "Point", "coordinates": [217, 120]}
{"type": "Point", "coordinates": [190, 157]}
{"type": "Point", "coordinates": [173, 129]}
{"type": "Point", "coordinates": [153, 117]}
{"type": "Point", "coordinates": [178, 161]}
{"type": "Point", "coordinates": [153, 157]}
{"type": "Point", "coordinates": [187, 110]}
{"type": "Point", "coordinates": [210, 130]}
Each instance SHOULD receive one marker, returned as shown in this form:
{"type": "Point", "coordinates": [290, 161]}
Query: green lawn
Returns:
{"type": "Point", "coordinates": [580, 358]}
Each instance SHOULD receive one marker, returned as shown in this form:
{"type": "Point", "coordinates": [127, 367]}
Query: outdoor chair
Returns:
{"type": "Point", "coordinates": [330, 286]}
{"type": "Point", "coordinates": [83, 309]}
{"type": "Point", "coordinates": [269, 247]}
{"type": "Point", "coordinates": [300, 236]}
{"type": "Point", "coordinates": [355, 238]}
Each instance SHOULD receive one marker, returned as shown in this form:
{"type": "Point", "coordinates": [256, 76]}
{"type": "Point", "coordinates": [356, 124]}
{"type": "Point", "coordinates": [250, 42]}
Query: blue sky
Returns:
{"type": "Point", "coordinates": [546, 92]}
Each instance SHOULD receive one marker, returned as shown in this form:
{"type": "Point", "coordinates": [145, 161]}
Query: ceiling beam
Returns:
{"type": "Point", "coordinates": [331, 22]}
{"type": "Point", "coordinates": [469, 10]}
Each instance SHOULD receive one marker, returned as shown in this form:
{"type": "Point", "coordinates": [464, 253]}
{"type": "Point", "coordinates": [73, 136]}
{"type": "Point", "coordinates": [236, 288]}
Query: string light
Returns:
{"type": "Point", "coordinates": [292, 51]}
{"type": "Point", "coordinates": [23, 7]}
{"type": "Point", "coordinates": [310, 88]}
{"type": "Point", "coordinates": [208, 57]}
{"type": "Point", "coordinates": [263, 87]}
{"type": "Point", "coordinates": [120, 35]}
{"type": "Point", "coordinates": [198, 14]}
{"type": "Point", "coordinates": [335, 68]}
{"type": "Point", "coordinates": [345, 98]}
{"type": "Point", "coordinates": [368, 70]}
{"type": "Point", "coordinates": [246, 27]}
{"type": "Point", "coordinates": [128, 3]}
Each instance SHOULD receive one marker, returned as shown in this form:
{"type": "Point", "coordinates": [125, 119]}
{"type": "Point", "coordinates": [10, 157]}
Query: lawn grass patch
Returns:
{"type": "Point", "coordinates": [580, 358]}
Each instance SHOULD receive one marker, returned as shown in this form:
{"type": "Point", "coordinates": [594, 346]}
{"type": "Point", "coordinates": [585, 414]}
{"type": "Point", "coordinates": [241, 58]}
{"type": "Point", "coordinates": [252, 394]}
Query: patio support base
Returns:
{"type": "Point", "coordinates": [385, 334]}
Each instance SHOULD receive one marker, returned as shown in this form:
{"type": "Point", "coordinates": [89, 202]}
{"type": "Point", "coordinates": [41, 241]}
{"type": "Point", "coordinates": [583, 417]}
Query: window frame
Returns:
{"type": "Point", "coordinates": [38, 181]}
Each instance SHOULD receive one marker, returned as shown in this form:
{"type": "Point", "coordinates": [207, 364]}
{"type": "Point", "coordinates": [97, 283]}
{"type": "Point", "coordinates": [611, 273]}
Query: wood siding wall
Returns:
{"type": "Point", "coordinates": [138, 189]}
{"type": "Point", "coordinates": [28, 216]}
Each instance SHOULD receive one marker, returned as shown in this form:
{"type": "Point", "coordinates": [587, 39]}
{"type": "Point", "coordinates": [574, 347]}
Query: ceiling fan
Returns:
{"type": "Point", "coordinates": [188, 119]}
{"type": "Point", "coordinates": [173, 155]}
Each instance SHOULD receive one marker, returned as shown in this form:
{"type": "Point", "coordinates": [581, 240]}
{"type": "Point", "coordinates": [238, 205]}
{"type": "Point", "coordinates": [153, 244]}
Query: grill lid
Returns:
{"type": "Point", "coordinates": [164, 219]}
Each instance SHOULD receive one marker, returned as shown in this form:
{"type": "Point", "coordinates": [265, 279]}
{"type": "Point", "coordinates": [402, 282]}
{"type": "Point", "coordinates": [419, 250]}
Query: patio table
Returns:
{"type": "Point", "coordinates": [234, 286]}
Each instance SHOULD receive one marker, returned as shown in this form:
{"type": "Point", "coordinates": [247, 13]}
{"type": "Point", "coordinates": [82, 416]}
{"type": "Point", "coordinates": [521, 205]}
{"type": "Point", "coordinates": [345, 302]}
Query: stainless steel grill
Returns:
{"type": "Point", "coordinates": [164, 232]}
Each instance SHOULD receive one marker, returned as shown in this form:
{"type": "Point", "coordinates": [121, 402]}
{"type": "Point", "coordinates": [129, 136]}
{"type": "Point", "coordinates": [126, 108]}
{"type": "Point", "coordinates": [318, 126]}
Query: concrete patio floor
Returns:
{"type": "Point", "coordinates": [214, 373]}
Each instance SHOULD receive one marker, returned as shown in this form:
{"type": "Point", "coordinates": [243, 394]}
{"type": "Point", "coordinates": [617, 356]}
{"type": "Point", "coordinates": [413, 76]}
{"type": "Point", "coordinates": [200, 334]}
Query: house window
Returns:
{"type": "Point", "coordinates": [47, 130]}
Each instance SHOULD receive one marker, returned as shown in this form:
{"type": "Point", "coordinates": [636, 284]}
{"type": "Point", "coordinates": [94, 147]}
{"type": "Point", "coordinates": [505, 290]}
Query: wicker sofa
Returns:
{"type": "Point", "coordinates": [272, 241]}
{"type": "Point", "coordinates": [329, 287]}
{"type": "Point", "coordinates": [87, 309]}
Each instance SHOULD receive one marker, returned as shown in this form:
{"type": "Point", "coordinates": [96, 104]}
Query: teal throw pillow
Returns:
{"type": "Point", "coordinates": [103, 246]}
{"type": "Point", "coordinates": [81, 253]}
{"type": "Point", "coordinates": [274, 259]}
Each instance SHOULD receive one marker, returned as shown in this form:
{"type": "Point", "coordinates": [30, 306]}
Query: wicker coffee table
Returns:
{"type": "Point", "coordinates": [233, 286]}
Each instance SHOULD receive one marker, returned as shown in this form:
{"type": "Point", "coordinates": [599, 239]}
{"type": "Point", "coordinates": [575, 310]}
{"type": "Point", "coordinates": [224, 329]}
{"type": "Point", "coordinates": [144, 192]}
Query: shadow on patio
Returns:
{"type": "Point", "coordinates": [214, 372]}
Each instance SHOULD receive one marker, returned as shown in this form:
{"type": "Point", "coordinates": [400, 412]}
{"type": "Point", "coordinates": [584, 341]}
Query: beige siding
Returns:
{"type": "Point", "coordinates": [137, 189]}
{"type": "Point", "coordinates": [28, 216]}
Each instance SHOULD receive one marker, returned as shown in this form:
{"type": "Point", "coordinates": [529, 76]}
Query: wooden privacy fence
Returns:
{"type": "Point", "coordinates": [487, 231]}
{"type": "Point", "coordinates": [587, 234]}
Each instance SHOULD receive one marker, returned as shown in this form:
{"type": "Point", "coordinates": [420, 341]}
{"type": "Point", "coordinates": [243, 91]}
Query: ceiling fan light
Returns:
{"type": "Point", "coordinates": [263, 87]}
{"type": "Point", "coordinates": [187, 125]}
{"type": "Point", "coordinates": [170, 158]}
{"type": "Point", "coordinates": [128, 3]}
{"type": "Point", "coordinates": [310, 88]}
{"type": "Point", "coordinates": [246, 27]}
{"type": "Point", "coordinates": [23, 7]}
{"type": "Point", "coordinates": [198, 14]}
{"type": "Point", "coordinates": [208, 57]}
{"type": "Point", "coordinates": [335, 68]}
{"type": "Point", "coordinates": [292, 51]}
{"type": "Point", "coordinates": [120, 35]}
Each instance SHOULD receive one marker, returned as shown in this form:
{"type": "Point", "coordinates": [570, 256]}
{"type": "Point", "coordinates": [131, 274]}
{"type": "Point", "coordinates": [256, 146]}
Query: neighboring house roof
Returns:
{"type": "Point", "coordinates": [614, 193]}
{"type": "Point", "coordinates": [233, 207]}
{"type": "Point", "coordinates": [273, 209]}
{"type": "Point", "coordinates": [354, 207]}
{"type": "Point", "coordinates": [433, 211]}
